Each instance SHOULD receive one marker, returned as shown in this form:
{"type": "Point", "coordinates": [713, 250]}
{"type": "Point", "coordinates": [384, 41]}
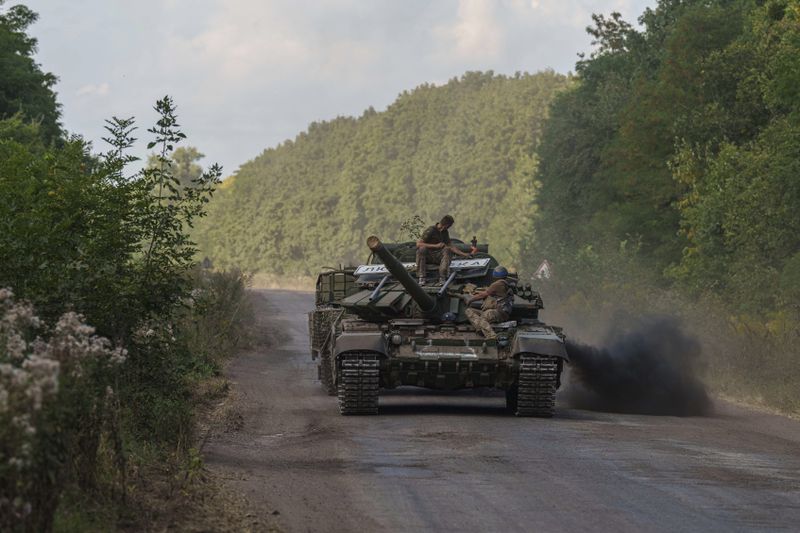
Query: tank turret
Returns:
{"type": "Point", "coordinates": [424, 300]}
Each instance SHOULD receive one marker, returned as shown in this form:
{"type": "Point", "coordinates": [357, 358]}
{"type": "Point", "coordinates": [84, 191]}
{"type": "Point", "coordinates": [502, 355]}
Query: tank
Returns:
{"type": "Point", "coordinates": [375, 328]}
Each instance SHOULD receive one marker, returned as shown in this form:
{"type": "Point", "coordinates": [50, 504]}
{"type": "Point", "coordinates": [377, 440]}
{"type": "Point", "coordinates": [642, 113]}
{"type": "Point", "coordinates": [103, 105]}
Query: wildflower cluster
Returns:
{"type": "Point", "coordinates": [35, 364]}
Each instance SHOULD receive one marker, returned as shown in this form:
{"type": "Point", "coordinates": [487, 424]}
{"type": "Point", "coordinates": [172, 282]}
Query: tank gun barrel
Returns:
{"type": "Point", "coordinates": [396, 268]}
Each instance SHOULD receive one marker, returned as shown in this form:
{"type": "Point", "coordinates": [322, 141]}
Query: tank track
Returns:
{"type": "Point", "coordinates": [358, 376]}
{"type": "Point", "coordinates": [536, 390]}
{"type": "Point", "coordinates": [320, 323]}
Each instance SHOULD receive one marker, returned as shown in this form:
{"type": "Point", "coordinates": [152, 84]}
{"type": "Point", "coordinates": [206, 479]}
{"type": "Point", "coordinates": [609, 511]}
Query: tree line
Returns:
{"type": "Point", "coordinates": [669, 184]}
{"type": "Point", "coordinates": [467, 148]}
{"type": "Point", "coordinates": [678, 147]}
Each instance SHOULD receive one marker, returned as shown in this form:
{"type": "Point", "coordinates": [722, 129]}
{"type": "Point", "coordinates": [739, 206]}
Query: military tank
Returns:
{"type": "Point", "coordinates": [375, 327]}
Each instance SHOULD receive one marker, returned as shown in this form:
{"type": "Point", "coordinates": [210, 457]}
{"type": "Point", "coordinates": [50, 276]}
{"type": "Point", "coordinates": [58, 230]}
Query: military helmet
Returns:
{"type": "Point", "coordinates": [499, 272]}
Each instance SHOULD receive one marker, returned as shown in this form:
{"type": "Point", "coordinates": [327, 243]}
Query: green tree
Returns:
{"type": "Point", "coordinates": [183, 163]}
{"type": "Point", "coordinates": [24, 88]}
{"type": "Point", "coordinates": [679, 138]}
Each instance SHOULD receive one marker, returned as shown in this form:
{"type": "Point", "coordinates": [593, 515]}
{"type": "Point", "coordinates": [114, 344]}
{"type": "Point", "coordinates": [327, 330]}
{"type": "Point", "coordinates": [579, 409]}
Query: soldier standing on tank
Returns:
{"type": "Point", "coordinates": [498, 299]}
{"type": "Point", "coordinates": [435, 246]}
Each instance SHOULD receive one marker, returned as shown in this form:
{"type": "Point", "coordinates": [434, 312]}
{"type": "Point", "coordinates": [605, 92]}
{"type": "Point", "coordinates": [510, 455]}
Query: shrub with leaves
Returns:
{"type": "Point", "coordinates": [53, 405]}
{"type": "Point", "coordinates": [86, 240]}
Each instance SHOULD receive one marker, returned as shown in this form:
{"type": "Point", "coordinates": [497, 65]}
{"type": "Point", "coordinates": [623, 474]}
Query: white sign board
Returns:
{"type": "Point", "coordinates": [544, 271]}
{"type": "Point", "coordinates": [458, 264]}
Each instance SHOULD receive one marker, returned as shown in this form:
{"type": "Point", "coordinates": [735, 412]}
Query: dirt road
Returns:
{"type": "Point", "coordinates": [437, 462]}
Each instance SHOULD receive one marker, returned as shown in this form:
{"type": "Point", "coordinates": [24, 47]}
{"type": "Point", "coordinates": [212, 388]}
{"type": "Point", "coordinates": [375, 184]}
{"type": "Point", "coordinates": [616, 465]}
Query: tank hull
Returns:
{"type": "Point", "coordinates": [439, 357]}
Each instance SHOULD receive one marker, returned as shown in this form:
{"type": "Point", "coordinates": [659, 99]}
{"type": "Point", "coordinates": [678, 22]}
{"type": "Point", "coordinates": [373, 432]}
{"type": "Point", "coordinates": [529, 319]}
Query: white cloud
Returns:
{"type": "Point", "coordinates": [348, 60]}
{"type": "Point", "coordinates": [552, 14]}
{"type": "Point", "coordinates": [269, 40]}
{"type": "Point", "coordinates": [475, 34]}
{"type": "Point", "coordinates": [92, 89]}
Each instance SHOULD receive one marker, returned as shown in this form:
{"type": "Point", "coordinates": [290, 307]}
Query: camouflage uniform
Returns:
{"type": "Point", "coordinates": [496, 308]}
{"type": "Point", "coordinates": [443, 256]}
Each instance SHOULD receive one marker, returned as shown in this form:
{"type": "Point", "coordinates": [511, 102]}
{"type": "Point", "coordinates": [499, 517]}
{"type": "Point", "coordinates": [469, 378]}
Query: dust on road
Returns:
{"type": "Point", "coordinates": [434, 461]}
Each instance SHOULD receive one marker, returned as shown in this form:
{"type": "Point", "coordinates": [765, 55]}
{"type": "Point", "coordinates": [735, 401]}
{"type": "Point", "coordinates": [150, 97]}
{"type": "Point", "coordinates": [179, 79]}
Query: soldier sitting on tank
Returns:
{"type": "Point", "coordinates": [498, 299]}
{"type": "Point", "coordinates": [435, 246]}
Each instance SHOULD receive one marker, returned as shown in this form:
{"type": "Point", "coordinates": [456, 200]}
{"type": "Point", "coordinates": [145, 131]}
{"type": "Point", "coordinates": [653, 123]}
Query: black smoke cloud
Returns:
{"type": "Point", "coordinates": [648, 367]}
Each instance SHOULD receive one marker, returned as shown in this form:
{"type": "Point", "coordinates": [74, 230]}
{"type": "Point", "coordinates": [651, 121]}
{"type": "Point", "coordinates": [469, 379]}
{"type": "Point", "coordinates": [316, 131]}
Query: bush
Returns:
{"type": "Point", "coordinates": [54, 403]}
{"type": "Point", "coordinates": [84, 240]}
{"type": "Point", "coordinates": [219, 316]}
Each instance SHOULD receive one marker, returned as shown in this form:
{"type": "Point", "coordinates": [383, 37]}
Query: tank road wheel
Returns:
{"type": "Point", "coordinates": [536, 389]}
{"type": "Point", "coordinates": [358, 374]}
{"type": "Point", "coordinates": [325, 371]}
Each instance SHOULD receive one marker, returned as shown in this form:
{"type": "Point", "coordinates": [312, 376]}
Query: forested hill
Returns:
{"type": "Point", "coordinates": [466, 148]}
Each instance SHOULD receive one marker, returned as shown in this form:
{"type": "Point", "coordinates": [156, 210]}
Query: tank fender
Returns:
{"type": "Point", "coordinates": [539, 342]}
{"type": "Point", "coordinates": [360, 341]}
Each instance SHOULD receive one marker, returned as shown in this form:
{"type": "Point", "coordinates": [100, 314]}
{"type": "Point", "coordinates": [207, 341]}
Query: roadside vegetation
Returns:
{"type": "Point", "coordinates": [107, 325]}
{"type": "Point", "coordinates": [669, 185]}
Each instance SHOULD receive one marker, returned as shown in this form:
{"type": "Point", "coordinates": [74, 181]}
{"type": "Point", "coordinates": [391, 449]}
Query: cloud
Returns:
{"type": "Point", "coordinates": [475, 34]}
{"type": "Point", "coordinates": [574, 14]}
{"type": "Point", "coordinates": [91, 89]}
{"type": "Point", "coordinates": [244, 41]}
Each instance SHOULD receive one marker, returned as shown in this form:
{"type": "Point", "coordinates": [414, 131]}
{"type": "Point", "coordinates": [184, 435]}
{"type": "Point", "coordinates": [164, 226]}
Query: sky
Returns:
{"type": "Point", "coordinates": [248, 74]}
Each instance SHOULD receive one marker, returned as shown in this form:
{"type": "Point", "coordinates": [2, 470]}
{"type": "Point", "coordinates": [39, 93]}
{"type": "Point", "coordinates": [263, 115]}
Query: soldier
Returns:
{"type": "Point", "coordinates": [434, 246]}
{"type": "Point", "coordinates": [498, 298]}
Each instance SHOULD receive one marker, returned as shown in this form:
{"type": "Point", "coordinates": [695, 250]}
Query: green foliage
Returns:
{"type": "Point", "coordinates": [465, 148]}
{"type": "Point", "coordinates": [673, 164]}
{"type": "Point", "coordinates": [24, 89]}
{"type": "Point", "coordinates": [88, 242]}
{"type": "Point", "coordinates": [184, 165]}
{"type": "Point", "coordinates": [78, 233]}
{"type": "Point", "coordinates": [412, 228]}
{"type": "Point", "coordinates": [55, 404]}
{"type": "Point", "coordinates": [76, 229]}
{"type": "Point", "coordinates": [218, 319]}
{"type": "Point", "coordinates": [680, 137]}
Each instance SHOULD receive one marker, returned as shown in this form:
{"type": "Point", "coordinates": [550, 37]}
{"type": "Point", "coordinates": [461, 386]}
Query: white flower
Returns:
{"type": "Point", "coordinates": [16, 346]}
{"type": "Point", "coordinates": [3, 399]}
{"type": "Point", "coordinates": [17, 463]}
{"type": "Point", "coordinates": [118, 356]}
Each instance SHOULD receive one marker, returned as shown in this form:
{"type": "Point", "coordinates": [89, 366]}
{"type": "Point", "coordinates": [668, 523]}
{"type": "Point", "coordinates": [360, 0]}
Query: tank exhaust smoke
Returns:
{"type": "Point", "coordinates": [648, 368]}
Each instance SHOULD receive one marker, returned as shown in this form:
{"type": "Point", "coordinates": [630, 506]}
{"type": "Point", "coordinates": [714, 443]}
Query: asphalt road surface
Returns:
{"type": "Point", "coordinates": [458, 462]}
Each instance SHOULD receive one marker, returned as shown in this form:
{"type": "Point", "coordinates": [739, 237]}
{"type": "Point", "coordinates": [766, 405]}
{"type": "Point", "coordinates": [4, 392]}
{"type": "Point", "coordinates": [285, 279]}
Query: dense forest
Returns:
{"type": "Point", "coordinates": [669, 185]}
{"type": "Point", "coordinates": [680, 149]}
{"type": "Point", "coordinates": [467, 148]}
